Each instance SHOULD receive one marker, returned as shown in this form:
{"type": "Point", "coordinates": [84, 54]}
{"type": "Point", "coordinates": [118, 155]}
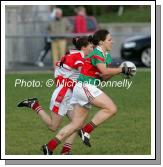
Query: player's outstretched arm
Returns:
{"type": "Point", "coordinates": [108, 72]}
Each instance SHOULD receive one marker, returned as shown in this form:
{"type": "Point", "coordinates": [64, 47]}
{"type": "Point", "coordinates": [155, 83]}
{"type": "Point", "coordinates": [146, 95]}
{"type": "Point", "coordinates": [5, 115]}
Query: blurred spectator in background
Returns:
{"type": "Point", "coordinates": [44, 52]}
{"type": "Point", "coordinates": [58, 26]}
{"type": "Point", "coordinates": [52, 14]}
{"type": "Point", "coordinates": [47, 46]}
{"type": "Point", "coordinates": [80, 24]}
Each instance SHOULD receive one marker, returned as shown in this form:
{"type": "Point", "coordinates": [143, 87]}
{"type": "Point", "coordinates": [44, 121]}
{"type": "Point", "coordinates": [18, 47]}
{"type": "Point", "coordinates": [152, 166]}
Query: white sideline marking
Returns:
{"type": "Point", "coordinates": [51, 72]}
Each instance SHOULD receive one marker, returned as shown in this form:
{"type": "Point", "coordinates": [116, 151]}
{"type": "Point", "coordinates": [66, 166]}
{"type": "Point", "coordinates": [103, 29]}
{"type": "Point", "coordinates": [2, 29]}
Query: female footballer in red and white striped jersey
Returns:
{"type": "Point", "coordinates": [66, 74]}
{"type": "Point", "coordinates": [86, 91]}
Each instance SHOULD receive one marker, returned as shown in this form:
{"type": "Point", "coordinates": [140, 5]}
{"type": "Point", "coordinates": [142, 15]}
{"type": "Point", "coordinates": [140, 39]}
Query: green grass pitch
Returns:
{"type": "Point", "coordinates": [127, 133]}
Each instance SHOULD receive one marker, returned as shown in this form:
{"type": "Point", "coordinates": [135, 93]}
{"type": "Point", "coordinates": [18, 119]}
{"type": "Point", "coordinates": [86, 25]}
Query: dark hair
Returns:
{"type": "Point", "coordinates": [99, 35]}
{"type": "Point", "coordinates": [80, 42]}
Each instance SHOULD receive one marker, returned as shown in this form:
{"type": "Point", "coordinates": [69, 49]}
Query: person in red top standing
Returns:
{"type": "Point", "coordinates": [80, 23]}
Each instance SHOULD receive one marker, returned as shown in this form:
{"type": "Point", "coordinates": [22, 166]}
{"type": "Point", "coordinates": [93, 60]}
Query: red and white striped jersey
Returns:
{"type": "Point", "coordinates": [71, 63]}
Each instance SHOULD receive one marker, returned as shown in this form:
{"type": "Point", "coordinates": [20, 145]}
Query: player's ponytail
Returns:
{"type": "Point", "coordinates": [63, 59]}
{"type": "Point", "coordinates": [90, 38]}
{"type": "Point", "coordinates": [74, 41]}
{"type": "Point", "coordinates": [80, 42]}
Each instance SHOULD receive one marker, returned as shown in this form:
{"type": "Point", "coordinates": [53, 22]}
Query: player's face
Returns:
{"type": "Point", "coordinates": [88, 49]}
{"type": "Point", "coordinates": [108, 42]}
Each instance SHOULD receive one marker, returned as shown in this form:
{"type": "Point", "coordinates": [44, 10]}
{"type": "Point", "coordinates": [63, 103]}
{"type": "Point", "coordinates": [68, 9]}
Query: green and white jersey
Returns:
{"type": "Point", "coordinates": [90, 72]}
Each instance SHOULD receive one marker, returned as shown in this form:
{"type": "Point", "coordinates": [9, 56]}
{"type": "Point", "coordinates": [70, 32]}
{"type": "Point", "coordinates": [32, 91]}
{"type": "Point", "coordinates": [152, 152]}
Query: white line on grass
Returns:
{"type": "Point", "coordinates": [51, 72]}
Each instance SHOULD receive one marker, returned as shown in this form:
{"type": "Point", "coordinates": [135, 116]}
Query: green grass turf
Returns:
{"type": "Point", "coordinates": [127, 133]}
{"type": "Point", "coordinates": [130, 15]}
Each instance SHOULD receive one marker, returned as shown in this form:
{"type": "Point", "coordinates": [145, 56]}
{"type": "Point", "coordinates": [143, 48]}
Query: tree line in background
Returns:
{"type": "Point", "coordinates": [98, 10]}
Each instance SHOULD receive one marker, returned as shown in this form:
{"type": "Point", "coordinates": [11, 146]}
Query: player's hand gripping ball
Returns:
{"type": "Point", "coordinates": [128, 69]}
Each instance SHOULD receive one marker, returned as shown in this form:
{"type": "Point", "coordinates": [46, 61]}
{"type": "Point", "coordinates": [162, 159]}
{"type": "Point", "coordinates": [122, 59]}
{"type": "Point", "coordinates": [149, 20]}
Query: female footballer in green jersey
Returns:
{"type": "Point", "coordinates": [86, 92]}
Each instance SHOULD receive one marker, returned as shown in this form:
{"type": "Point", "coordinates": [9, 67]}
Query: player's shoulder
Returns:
{"type": "Point", "coordinates": [76, 54]}
{"type": "Point", "coordinates": [97, 53]}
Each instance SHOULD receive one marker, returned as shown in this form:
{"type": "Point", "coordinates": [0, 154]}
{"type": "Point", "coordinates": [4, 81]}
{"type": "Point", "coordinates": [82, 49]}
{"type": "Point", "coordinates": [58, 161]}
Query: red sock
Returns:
{"type": "Point", "coordinates": [36, 107]}
{"type": "Point", "coordinates": [53, 144]}
{"type": "Point", "coordinates": [66, 148]}
{"type": "Point", "coordinates": [89, 127]}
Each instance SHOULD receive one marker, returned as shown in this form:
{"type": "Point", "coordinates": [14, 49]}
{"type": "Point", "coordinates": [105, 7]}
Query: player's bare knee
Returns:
{"type": "Point", "coordinates": [53, 127]}
{"type": "Point", "coordinates": [112, 109]}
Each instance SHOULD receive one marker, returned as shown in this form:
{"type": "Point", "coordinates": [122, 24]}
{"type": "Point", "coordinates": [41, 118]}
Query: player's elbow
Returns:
{"type": "Point", "coordinates": [104, 73]}
{"type": "Point", "coordinates": [106, 77]}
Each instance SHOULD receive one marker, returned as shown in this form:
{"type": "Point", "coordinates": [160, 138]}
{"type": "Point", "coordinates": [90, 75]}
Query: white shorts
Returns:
{"type": "Point", "coordinates": [84, 93]}
{"type": "Point", "coordinates": [65, 104]}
